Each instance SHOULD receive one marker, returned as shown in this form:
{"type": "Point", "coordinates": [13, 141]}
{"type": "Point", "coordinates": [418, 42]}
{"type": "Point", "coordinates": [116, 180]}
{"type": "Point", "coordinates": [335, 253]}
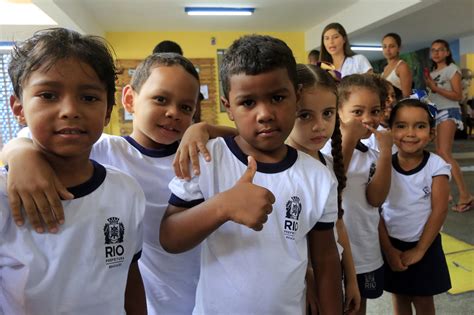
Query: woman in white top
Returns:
{"type": "Point", "coordinates": [335, 48]}
{"type": "Point", "coordinates": [444, 83]}
{"type": "Point", "coordinates": [396, 71]}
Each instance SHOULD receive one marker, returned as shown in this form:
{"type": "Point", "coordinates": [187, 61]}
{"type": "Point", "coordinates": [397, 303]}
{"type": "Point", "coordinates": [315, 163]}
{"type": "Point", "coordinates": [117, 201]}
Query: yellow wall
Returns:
{"type": "Point", "coordinates": [467, 61]}
{"type": "Point", "coordinates": [138, 45]}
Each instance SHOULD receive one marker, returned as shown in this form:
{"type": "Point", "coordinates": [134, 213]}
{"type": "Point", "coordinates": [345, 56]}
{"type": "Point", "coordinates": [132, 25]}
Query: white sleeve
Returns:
{"type": "Point", "coordinates": [363, 64]}
{"type": "Point", "coordinates": [330, 208]}
{"type": "Point", "coordinates": [188, 192]}
{"type": "Point", "coordinates": [452, 70]}
{"type": "Point", "coordinates": [441, 168]}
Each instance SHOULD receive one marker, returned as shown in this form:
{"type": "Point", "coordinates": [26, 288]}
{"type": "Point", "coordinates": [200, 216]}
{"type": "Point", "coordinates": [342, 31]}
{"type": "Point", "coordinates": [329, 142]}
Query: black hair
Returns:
{"type": "Point", "coordinates": [309, 76]}
{"type": "Point", "coordinates": [168, 46]}
{"type": "Point", "coordinates": [449, 58]}
{"type": "Point", "coordinates": [46, 47]}
{"type": "Point", "coordinates": [383, 88]}
{"type": "Point", "coordinates": [348, 83]}
{"type": "Point", "coordinates": [314, 53]}
{"type": "Point", "coordinates": [411, 102]}
{"type": "Point", "coordinates": [325, 56]}
{"type": "Point", "coordinates": [396, 37]}
{"type": "Point", "coordinates": [256, 54]}
{"type": "Point", "coordinates": [143, 70]}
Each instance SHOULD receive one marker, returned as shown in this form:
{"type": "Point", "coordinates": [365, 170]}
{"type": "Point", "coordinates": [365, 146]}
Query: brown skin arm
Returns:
{"type": "Point", "coordinates": [135, 301]}
{"type": "Point", "coordinates": [327, 266]}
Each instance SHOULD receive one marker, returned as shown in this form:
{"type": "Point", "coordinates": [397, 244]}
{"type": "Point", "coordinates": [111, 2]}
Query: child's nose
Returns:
{"type": "Point", "coordinates": [172, 112]}
{"type": "Point", "coordinates": [69, 108]}
{"type": "Point", "coordinates": [265, 112]}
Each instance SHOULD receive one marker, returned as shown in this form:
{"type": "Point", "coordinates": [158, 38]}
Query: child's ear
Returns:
{"type": "Point", "coordinates": [108, 114]}
{"type": "Point", "coordinates": [17, 108]}
{"type": "Point", "coordinates": [432, 134]}
{"type": "Point", "coordinates": [226, 104]}
{"type": "Point", "coordinates": [298, 92]}
{"type": "Point", "coordinates": [128, 96]}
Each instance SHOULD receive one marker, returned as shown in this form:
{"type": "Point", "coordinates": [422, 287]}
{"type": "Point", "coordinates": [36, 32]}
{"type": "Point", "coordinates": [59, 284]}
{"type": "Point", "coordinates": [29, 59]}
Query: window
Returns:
{"type": "Point", "coordinates": [9, 127]}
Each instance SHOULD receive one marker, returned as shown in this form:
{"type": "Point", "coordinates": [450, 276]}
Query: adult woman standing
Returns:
{"type": "Point", "coordinates": [335, 48]}
{"type": "Point", "coordinates": [396, 71]}
{"type": "Point", "coordinates": [445, 86]}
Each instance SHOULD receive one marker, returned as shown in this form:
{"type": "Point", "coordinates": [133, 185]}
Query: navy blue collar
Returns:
{"type": "Point", "coordinates": [321, 158]}
{"type": "Point", "coordinates": [98, 177]}
{"type": "Point", "coordinates": [361, 147]}
{"type": "Point", "coordinates": [399, 169]}
{"type": "Point", "coordinates": [269, 168]}
{"type": "Point", "coordinates": [165, 151]}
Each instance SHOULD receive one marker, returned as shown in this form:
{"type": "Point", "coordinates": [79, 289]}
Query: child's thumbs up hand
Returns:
{"type": "Point", "coordinates": [249, 204]}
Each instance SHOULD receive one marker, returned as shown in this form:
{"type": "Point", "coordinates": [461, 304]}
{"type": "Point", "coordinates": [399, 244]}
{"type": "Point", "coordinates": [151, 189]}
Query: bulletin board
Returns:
{"type": "Point", "coordinates": [207, 74]}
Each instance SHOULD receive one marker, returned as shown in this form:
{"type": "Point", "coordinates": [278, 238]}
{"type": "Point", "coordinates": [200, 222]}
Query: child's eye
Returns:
{"type": "Point", "coordinates": [160, 99]}
{"type": "Point", "coordinates": [278, 98]}
{"type": "Point", "coordinates": [376, 112]}
{"type": "Point", "coordinates": [421, 126]}
{"type": "Point", "coordinates": [90, 98]}
{"type": "Point", "coordinates": [357, 112]}
{"type": "Point", "coordinates": [248, 103]}
{"type": "Point", "coordinates": [399, 126]}
{"type": "Point", "coordinates": [304, 116]}
{"type": "Point", "coordinates": [186, 108]}
{"type": "Point", "coordinates": [328, 114]}
{"type": "Point", "coordinates": [47, 96]}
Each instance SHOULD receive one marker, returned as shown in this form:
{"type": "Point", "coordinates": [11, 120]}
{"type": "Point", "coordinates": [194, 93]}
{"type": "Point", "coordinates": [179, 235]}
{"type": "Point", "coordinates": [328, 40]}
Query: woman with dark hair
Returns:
{"type": "Point", "coordinates": [444, 83]}
{"type": "Point", "coordinates": [396, 71]}
{"type": "Point", "coordinates": [335, 49]}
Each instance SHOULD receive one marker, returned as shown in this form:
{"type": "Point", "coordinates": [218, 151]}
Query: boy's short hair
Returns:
{"type": "Point", "coordinates": [256, 54]}
{"type": "Point", "coordinates": [46, 47]}
{"type": "Point", "coordinates": [168, 46]}
{"type": "Point", "coordinates": [143, 70]}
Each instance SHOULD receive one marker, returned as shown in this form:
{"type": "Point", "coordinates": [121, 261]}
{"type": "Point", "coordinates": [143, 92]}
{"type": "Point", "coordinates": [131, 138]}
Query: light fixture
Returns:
{"type": "Point", "coordinates": [367, 48]}
{"type": "Point", "coordinates": [218, 11]}
{"type": "Point", "coordinates": [23, 13]}
{"type": "Point", "coordinates": [6, 46]}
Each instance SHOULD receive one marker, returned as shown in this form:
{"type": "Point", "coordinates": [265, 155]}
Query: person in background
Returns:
{"type": "Point", "coordinates": [168, 46]}
{"type": "Point", "coordinates": [313, 57]}
{"type": "Point", "coordinates": [335, 49]}
{"type": "Point", "coordinates": [445, 90]}
{"type": "Point", "coordinates": [397, 71]}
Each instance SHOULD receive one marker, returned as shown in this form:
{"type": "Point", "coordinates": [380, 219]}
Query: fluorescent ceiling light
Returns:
{"type": "Point", "coordinates": [22, 13]}
{"type": "Point", "coordinates": [367, 48]}
{"type": "Point", "coordinates": [218, 11]}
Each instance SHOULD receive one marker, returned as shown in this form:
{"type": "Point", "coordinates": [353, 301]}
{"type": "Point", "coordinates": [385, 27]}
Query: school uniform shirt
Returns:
{"type": "Point", "coordinates": [249, 272]}
{"type": "Point", "coordinates": [355, 64]}
{"type": "Point", "coordinates": [82, 269]}
{"type": "Point", "coordinates": [170, 279]}
{"type": "Point", "coordinates": [408, 203]}
{"type": "Point", "coordinates": [361, 219]}
{"type": "Point", "coordinates": [443, 80]}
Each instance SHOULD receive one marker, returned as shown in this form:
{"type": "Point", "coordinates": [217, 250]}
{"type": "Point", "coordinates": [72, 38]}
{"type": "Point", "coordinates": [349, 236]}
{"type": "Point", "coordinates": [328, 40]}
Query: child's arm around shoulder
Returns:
{"type": "Point", "coordinates": [245, 203]}
{"type": "Point", "coordinates": [194, 141]}
{"type": "Point", "coordinates": [379, 187]}
{"type": "Point", "coordinates": [33, 184]}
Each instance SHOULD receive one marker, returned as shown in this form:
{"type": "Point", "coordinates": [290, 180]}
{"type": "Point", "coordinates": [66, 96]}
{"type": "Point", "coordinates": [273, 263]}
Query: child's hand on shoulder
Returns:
{"type": "Point", "coordinates": [249, 204]}
{"type": "Point", "coordinates": [193, 141]}
{"type": "Point", "coordinates": [353, 129]}
{"type": "Point", "coordinates": [412, 256]}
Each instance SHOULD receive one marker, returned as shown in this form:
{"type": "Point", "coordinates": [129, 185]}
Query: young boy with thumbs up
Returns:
{"type": "Point", "coordinates": [258, 203]}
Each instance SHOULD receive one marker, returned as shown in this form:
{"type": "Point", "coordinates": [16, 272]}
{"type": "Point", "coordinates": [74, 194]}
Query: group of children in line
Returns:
{"type": "Point", "coordinates": [263, 223]}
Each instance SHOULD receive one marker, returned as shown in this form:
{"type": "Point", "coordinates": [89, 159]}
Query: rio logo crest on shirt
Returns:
{"type": "Point", "coordinates": [293, 210]}
{"type": "Point", "coordinates": [114, 232]}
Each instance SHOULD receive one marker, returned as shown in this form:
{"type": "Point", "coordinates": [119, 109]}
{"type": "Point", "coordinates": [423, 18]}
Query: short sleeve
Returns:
{"type": "Point", "coordinates": [363, 64]}
{"type": "Point", "coordinates": [330, 208]}
{"type": "Point", "coordinates": [441, 168]}
{"type": "Point", "coordinates": [185, 193]}
{"type": "Point", "coordinates": [452, 70]}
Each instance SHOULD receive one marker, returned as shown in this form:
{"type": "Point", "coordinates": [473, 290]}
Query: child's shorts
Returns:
{"type": "Point", "coordinates": [429, 276]}
{"type": "Point", "coordinates": [450, 113]}
{"type": "Point", "coordinates": [371, 283]}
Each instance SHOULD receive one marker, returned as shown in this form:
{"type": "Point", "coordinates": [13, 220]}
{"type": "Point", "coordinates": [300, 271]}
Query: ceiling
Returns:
{"type": "Point", "coordinates": [366, 21]}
